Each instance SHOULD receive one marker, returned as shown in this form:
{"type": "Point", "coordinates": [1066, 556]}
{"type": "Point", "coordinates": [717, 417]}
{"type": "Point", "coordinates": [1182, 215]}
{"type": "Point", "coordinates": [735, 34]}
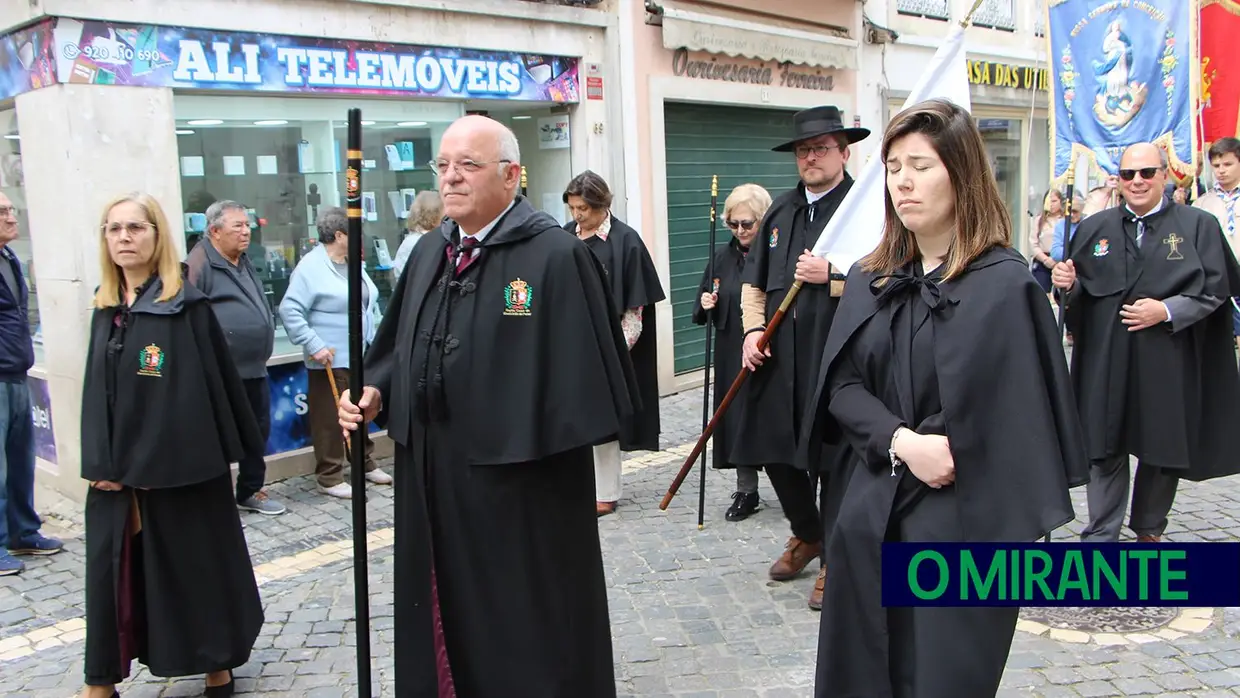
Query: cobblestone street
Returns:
{"type": "Point", "coordinates": [693, 613]}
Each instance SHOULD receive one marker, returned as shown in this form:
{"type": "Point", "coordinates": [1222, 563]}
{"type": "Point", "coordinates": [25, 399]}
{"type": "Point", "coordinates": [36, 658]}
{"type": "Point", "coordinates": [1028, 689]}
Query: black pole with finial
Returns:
{"type": "Point", "coordinates": [357, 454]}
{"type": "Point", "coordinates": [524, 183]}
{"type": "Point", "coordinates": [710, 332]}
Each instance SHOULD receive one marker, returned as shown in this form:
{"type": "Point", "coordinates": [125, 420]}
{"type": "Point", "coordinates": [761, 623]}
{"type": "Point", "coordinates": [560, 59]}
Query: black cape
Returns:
{"type": "Point", "coordinates": [633, 281]}
{"type": "Point", "coordinates": [1168, 394]}
{"type": "Point", "coordinates": [496, 385]}
{"type": "Point", "coordinates": [1005, 405]}
{"type": "Point", "coordinates": [164, 412]}
{"type": "Point", "coordinates": [769, 427]}
{"type": "Point", "coordinates": [728, 337]}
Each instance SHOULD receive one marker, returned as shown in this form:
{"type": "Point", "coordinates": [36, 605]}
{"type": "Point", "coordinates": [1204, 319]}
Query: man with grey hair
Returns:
{"type": "Point", "coordinates": [1153, 365]}
{"type": "Point", "coordinates": [221, 269]}
{"type": "Point", "coordinates": [497, 368]}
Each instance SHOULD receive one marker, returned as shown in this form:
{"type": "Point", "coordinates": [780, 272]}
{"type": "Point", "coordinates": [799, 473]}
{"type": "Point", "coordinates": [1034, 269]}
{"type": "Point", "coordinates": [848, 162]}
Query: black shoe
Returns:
{"type": "Point", "coordinates": [224, 691]}
{"type": "Point", "coordinates": [743, 506]}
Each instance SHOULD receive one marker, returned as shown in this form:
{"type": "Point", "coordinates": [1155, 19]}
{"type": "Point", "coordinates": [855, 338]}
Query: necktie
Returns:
{"type": "Point", "coordinates": [1231, 201]}
{"type": "Point", "coordinates": [1140, 230]}
{"type": "Point", "coordinates": [467, 254]}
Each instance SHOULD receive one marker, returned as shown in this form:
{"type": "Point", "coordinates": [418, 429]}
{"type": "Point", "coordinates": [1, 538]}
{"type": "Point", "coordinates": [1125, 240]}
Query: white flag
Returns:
{"type": "Point", "coordinates": [857, 225]}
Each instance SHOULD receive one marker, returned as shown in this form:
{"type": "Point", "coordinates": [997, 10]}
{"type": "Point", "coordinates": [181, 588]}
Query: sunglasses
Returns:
{"type": "Point", "coordinates": [743, 225]}
{"type": "Point", "coordinates": [1146, 173]}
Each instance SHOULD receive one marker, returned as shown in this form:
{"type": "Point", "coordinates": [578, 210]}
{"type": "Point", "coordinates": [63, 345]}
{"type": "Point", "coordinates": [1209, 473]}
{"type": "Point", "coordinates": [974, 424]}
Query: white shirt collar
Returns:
{"type": "Point", "coordinates": [486, 229]}
{"type": "Point", "coordinates": [811, 197]}
{"type": "Point", "coordinates": [1157, 207]}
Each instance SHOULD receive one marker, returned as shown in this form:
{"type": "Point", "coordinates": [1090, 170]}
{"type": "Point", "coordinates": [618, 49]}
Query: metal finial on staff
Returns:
{"type": "Point", "coordinates": [357, 454]}
{"type": "Point", "coordinates": [525, 181]}
{"type": "Point", "coordinates": [969, 17]}
{"type": "Point", "coordinates": [710, 277]}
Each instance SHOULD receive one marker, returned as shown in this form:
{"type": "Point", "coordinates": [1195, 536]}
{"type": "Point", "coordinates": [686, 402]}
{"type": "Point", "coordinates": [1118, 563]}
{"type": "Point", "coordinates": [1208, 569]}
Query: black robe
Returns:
{"type": "Point", "coordinates": [912, 355]}
{"type": "Point", "coordinates": [633, 282]}
{"type": "Point", "coordinates": [729, 334]}
{"type": "Point", "coordinates": [164, 413]}
{"type": "Point", "coordinates": [770, 421]}
{"type": "Point", "coordinates": [495, 394]}
{"type": "Point", "coordinates": [1180, 409]}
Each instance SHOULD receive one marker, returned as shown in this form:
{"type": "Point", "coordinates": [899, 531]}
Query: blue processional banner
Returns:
{"type": "Point", "coordinates": [1121, 73]}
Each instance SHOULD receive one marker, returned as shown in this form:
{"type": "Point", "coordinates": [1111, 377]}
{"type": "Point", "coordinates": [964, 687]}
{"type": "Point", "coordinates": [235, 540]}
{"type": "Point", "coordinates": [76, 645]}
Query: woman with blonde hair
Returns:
{"type": "Point", "coordinates": [720, 299]}
{"type": "Point", "coordinates": [425, 214]}
{"type": "Point", "coordinates": [944, 373]}
{"type": "Point", "coordinates": [164, 413]}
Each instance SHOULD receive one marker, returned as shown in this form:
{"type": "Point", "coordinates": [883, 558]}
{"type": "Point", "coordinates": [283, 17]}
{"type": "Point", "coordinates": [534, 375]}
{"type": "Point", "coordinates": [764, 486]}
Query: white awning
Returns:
{"type": "Point", "coordinates": [697, 31]}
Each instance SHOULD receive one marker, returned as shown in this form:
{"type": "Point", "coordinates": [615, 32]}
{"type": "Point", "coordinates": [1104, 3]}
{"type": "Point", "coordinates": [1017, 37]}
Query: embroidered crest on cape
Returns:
{"type": "Point", "coordinates": [1173, 241]}
{"type": "Point", "coordinates": [1102, 248]}
{"type": "Point", "coordinates": [518, 298]}
{"type": "Point", "coordinates": [151, 361]}
{"type": "Point", "coordinates": [774, 237]}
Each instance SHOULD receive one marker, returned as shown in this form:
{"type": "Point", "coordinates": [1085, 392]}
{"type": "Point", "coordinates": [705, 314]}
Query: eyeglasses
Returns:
{"type": "Point", "coordinates": [134, 228]}
{"type": "Point", "coordinates": [6, 211]}
{"type": "Point", "coordinates": [803, 151]}
{"type": "Point", "coordinates": [470, 166]}
{"type": "Point", "coordinates": [743, 225]}
{"type": "Point", "coordinates": [1146, 173]}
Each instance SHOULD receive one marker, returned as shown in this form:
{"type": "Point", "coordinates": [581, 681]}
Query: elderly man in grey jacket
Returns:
{"type": "Point", "coordinates": [220, 268]}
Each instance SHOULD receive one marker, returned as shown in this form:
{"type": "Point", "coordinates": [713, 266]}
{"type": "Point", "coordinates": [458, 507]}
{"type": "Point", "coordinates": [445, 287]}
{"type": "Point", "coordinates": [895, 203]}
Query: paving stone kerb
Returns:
{"type": "Point", "coordinates": [693, 613]}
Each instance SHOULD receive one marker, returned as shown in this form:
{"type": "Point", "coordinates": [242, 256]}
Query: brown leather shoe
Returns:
{"type": "Point", "coordinates": [815, 596]}
{"type": "Point", "coordinates": [796, 556]}
{"type": "Point", "coordinates": [605, 508]}
{"type": "Point", "coordinates": [1149, 539]}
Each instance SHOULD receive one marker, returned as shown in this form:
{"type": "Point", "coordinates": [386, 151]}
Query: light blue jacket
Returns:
{"type": "Point", "coordinates": [315, 309]}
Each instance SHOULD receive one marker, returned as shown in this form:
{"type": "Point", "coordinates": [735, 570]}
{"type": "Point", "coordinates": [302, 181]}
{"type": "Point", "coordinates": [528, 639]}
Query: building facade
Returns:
{"type": "Point", "coordinates": [711, 87]}
{"type": "Point", "coordinates": [198, 102]}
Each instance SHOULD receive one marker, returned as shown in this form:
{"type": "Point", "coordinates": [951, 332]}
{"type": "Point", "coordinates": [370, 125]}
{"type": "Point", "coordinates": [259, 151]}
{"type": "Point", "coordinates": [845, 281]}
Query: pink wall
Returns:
{"type": "Point", "coordinates": [652, 59]}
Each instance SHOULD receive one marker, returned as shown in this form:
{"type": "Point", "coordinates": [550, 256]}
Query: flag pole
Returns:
{"type": "Point", "coordinates": [524, 183]}
{"type": "Point", "coordinates": [710, 277]}
{"type": "Point", "coordinates": [1067, 237]}
{"type": "Point", "coordinates": [357, 454]}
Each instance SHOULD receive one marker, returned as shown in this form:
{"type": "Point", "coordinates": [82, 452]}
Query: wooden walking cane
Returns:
{"type": "Point", "coordinates": [727, 399]}
{"type": "Point", "coordinates": [331, 379]}
{"type": "Point", "coordinates": [357, 456]}
{"type": "Point", "coordinates": [710, 326]}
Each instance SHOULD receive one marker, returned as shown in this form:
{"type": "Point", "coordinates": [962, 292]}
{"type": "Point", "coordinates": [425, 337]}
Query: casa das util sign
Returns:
{"type": "Point", "coordinates": [1015, 76]}
{"type": "Point", "coordinates": [782, 75]}
{"type": "Point", "coordinates": [111, 53]}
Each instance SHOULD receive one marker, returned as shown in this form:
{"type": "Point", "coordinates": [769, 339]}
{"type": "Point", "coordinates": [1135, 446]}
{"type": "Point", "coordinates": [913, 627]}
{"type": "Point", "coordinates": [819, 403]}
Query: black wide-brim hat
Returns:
{"type": "Point", "coordinates": [820, 121]}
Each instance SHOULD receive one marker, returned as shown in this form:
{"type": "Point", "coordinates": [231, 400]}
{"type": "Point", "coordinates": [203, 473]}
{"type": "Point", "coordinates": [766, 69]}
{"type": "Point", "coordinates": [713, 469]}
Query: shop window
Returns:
{"type": "Point", "coordinates": [284, 159]}
{"type": "Point", "coordinates": [1003, 140]}
{"type": "Point", "coordinates": [12, 185]}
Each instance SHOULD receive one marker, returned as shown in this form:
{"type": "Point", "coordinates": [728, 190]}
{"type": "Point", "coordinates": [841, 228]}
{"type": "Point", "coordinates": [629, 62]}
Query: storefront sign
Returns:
{"type": "Point", "coordinates": [783, 74]}
{"type": "Point", "coordinates": [1015, 76]}
{"type": "Point", "coordinates": [41, 419]}
{"type": "Point", "coordinates": [110, 53]}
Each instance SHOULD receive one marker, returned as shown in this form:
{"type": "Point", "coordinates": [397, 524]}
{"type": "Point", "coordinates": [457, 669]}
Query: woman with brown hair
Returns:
{"type": "Point", "coordinates": [944, 373]}
{"type": "Point", "coordinates": [635, 289]}
{"type": "Point", "coordinates": [168, 576]}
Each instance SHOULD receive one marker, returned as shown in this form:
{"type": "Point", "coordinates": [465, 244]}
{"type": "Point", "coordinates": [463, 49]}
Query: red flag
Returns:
{"type": "Point", "coordinates": [1220, 69]}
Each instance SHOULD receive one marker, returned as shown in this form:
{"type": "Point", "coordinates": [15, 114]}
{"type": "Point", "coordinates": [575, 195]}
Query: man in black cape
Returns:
{"type": "Point", "coordinates": [1153, 364]}
{"type": "Point", "coordinates": [497, 368]}
{"type": "Point", "coordinates": [635, 289]}
{"type": "Point", "coordinates": [769, 430]}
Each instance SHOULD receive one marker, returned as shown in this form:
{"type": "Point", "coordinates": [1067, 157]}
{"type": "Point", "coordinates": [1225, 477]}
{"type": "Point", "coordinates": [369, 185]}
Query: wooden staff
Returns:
{"type": "Point", "coordinates": [710, 326]}
{"type": "Point", "coordinates": [353, 198]}
{"type": "Point", "coordinates": [331, 379]}
{"type": "Point", "coordinates": [727, 399]}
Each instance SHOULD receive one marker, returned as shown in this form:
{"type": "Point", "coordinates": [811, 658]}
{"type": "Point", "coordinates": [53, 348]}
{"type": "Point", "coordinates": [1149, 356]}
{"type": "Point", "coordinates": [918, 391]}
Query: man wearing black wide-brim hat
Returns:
{"type": "Point", "coordinates": [785, 371]}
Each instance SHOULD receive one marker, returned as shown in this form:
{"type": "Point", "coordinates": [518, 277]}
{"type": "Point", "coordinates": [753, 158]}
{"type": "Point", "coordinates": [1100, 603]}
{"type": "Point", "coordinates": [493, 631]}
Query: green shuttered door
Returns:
{"type": "Point", "coordinates": [735, 144]}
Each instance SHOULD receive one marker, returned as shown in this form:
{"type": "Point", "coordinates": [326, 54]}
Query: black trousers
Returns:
{"type": "Point", "coordinates": [795, 491]}
{"type": "Point", "coordinates": [252, 469]}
